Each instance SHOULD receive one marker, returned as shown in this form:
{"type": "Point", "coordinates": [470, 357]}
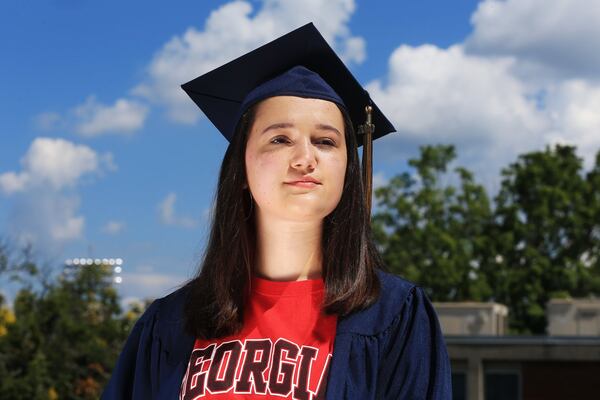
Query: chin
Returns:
{"type": "Point", "coordinates": [306, 213]}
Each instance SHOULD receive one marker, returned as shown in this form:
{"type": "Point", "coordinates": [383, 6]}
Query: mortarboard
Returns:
{"type": "Point", "coordinates": [300, 63]}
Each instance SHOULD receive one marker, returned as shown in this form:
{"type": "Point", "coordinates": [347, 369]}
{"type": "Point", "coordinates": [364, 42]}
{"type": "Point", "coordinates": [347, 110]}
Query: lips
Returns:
{"type": "Point", "coordinates": [305, 181]}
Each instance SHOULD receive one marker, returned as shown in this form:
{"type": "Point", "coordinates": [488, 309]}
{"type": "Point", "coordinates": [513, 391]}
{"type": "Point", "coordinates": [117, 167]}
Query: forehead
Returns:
{"type": "Point", "coordinates": [299, 109]}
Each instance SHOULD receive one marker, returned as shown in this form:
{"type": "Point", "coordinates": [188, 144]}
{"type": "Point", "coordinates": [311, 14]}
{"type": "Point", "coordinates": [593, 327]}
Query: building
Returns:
{"type": "Point", "coordinates": [489, 364]}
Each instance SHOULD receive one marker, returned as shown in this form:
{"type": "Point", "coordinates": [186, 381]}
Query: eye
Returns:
{"type": "Point", "coordinates": [326, 142]}
{"type": "Point", "coordinates": [280, 140]}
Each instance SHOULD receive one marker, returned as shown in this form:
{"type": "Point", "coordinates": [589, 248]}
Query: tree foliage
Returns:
{"type": "Point", "coordinates": [539, 239]}
{"type": "Point", "coordinates": [65, 336]}
{"type": "Point", "coordinates": [545, 227]}
{"type": "Point", "coordinates": [433, 233]}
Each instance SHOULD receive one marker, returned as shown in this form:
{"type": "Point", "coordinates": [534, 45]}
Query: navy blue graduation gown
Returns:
{"type": "Point", "coordinates": [392, 350]}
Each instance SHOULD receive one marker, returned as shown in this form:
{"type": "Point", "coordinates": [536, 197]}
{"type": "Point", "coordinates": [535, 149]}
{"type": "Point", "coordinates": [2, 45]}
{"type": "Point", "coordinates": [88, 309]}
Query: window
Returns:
{"type": "Point", "coordinates": [459, 385]}
{"type": "Point", "coordinates": [502, 384]}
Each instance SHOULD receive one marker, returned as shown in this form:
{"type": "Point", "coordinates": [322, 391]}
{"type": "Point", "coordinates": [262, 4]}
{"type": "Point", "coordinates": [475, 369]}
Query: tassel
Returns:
{"type": "Point", "coordinates": [367, 130]}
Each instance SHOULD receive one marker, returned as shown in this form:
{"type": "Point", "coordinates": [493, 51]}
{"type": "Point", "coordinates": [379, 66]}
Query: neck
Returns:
{"type": "Point", "coordinates": [288, 250]}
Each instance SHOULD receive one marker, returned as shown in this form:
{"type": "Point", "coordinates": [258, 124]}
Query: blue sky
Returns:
{"type": "Point", "coordinates": [100, 156]}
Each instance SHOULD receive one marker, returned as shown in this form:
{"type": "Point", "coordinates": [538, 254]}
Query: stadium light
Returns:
{"type": "Point", "coordinates": [115, 264]}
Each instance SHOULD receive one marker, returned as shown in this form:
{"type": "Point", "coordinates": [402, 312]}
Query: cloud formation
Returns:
{"type": "Point", "coordinates": [555, 36]}
{"type": "Point", "coordinates": [55, 164]}
{"type": "Point", "coordinates": [46, 219]}
{"type": "Point", "coordinates": [168, 216]}
{"type": "Point", "coordinates": [45, 210]}
{"type": "Point", "coordinates": [230, 31]}
{"type": "Point", "coordinates": [93, 118]}
{"type": "Point", "coordinates": [441, 93]}
{"type": "Point", "coordinates": [123, 117]}
{"type": "Point", "coordinates": [573, 111]}
{"type": "Point", "coordinates": [513, 86]}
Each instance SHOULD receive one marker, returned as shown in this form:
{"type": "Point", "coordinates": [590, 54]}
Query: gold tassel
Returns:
{"type": "Point", "coordinates": [367, 131]}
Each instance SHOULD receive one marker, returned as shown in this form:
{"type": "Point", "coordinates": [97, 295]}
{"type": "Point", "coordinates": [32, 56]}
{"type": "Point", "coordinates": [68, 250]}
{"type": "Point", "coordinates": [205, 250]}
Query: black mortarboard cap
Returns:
{"type": "Point", "coordinates": [224, 93]}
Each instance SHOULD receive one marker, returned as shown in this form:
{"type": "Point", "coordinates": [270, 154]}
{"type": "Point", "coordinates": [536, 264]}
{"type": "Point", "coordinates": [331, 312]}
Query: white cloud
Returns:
{"type": "Point", "coordinates": [560, 36]}
{"type": "Point", "coordinates": [573, 108]}
{"type": "Point", "coordinates": [45, 210]}
{"type": "Point", "coordinates": [70, 226]}
{"type": "Point", "coordinates": [47, 219]}
{"type": "Point", "coordinates": [123, 117]}
{"type": "Point", "coordinates": [92, 118]}
{"type": "Point", "coordinates": [527, 76]}
{"type": "Point", "coordinates": [232, 30]}
{"type": "Point", "coordinates": [54, 163]}
{"type": "Point", "coordinates": [483, 105]}
{"type": "Point", "coordinates": [435, 95]}
{"type": "Point", "coordinates": [168, 215]}
{"type": "Point", "coordinates": [113, 227]}
{"type": "Point", "coordinates": [11, 182]}
{"type": "Point", "coordinates": [440, 93]}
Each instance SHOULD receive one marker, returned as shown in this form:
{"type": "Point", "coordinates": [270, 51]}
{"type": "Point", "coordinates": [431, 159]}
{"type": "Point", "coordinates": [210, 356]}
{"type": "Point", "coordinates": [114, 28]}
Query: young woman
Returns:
{"type": "Point", "coordinates": [291, 300]}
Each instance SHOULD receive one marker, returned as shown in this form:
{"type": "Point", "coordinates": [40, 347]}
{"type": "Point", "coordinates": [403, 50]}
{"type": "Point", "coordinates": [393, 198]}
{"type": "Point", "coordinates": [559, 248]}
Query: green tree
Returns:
{"type": "Point", "coordinates": [546, 234]}
{"type": "Point", "coordinates": [591, 258]}
{"type": "Point", "coordinates": [433, 233]}
{"type": "Point", "coordinates": [66, 335]}
{"type": "Point", "coordinates": [540, 239]}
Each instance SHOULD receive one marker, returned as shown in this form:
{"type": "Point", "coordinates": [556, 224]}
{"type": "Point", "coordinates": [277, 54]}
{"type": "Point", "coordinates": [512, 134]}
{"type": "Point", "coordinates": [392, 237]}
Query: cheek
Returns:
{"type": "Point", "coordinates": [340, 166]}
{"type": "Point", "coordinates": [337, 168]}
{"type": "Point", "coordinates": [261, 172]}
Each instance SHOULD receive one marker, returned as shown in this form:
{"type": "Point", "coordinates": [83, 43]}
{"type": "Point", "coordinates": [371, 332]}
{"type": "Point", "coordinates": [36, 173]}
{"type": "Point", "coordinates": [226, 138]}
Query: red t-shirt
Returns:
{"type": "Point", "coordinates": [283, 351]}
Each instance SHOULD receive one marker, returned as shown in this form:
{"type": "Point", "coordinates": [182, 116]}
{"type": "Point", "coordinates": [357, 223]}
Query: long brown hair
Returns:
{"type": "Point", "coordinates": [216, 295]}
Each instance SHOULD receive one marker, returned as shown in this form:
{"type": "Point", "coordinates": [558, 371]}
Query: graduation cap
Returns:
{"type": "Point", "coordinates": [300, 63]}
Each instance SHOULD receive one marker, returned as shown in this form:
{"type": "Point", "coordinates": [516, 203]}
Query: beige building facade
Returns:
{"type": "Point", "coordinates": [490, 364]}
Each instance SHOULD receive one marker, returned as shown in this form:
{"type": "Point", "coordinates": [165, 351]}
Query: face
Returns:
{"type": "Point", "coordinates": [296, 158]}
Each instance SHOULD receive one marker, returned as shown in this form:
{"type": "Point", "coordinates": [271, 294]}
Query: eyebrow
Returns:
{"type": "Point", "coordinates": [279, 125]}
{"type": "Point", "coordinates": [284, 125]}
{"type": "Point", "coordinates": [326, 127]}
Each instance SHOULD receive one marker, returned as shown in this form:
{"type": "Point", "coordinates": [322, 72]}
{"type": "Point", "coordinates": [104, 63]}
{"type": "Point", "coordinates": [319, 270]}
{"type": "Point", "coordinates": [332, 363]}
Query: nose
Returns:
{"type": "Point", "coordinates": [304, 157]}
